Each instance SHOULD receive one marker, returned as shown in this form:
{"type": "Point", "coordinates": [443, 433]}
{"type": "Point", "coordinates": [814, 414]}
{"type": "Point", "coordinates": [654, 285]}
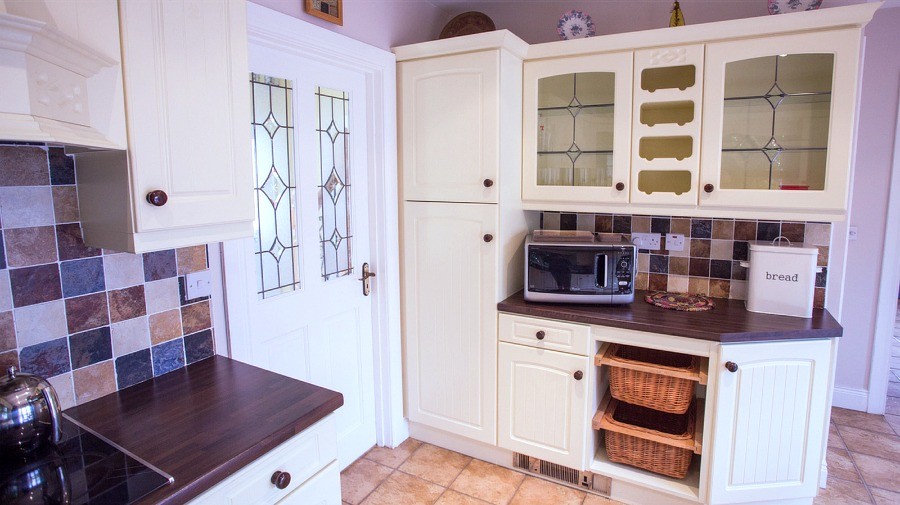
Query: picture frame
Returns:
{"type": "Point", "coordinates": [329, 10]}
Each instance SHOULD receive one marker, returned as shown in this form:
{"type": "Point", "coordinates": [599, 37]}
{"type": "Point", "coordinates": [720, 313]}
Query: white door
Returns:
{"type": "Point", "coordinates": [296, 304]}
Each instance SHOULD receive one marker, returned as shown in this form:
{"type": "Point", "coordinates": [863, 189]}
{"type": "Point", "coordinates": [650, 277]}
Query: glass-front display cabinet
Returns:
{"type": "Point", "coordinates": [778, 122]}
{"type": "Point", "coordinates": [577, 115]}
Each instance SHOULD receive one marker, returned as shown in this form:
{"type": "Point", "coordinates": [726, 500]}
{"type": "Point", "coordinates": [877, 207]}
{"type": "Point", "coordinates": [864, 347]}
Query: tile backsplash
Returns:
{"type": "Point", "coordinates": [92, 321]}
{"type": "Point", "coordinates": [709, 264]}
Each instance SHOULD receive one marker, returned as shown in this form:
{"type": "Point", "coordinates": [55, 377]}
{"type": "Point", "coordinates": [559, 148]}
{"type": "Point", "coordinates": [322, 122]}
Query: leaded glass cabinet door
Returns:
{"type": "Point", "coordinates": [778, 122]}
{"type": "Point", "coordinates": [576, 124]}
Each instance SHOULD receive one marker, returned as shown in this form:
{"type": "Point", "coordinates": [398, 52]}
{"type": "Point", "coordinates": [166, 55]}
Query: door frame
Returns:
{"type": "Point", "coordinates": [271, 29]}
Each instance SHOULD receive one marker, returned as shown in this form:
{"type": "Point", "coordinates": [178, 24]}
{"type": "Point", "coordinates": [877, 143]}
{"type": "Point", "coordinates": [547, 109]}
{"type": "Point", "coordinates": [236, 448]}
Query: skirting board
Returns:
{"type": "Point", "coordinates": [849, 398]}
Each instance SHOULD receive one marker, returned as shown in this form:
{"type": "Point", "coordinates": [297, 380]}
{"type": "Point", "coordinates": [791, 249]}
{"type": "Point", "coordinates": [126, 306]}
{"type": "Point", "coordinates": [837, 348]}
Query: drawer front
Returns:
{"type": "Point", "coordinates": [323, 489]}
{"type": "Point", "coordinates": [301, 456]}
{"type": "Point", "coordinates": [546, 334]}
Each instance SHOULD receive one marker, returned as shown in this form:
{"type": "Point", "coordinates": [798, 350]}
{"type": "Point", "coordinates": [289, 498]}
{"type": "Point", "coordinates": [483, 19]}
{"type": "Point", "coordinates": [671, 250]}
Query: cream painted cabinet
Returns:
{"type": "Point", "coordinates": [770, 420]}
{"type": "Point", "coordinates": [187, 175]}
{"type": "Point", "coordinates": [778, 121]}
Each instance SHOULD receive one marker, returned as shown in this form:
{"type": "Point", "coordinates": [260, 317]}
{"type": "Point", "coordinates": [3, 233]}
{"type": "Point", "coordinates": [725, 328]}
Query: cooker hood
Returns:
{"type": "Point", "coordinates": [56, 89]}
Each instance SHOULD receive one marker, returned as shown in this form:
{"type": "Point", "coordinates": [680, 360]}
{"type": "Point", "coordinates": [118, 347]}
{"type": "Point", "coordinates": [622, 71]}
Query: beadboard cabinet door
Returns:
{"type": "Point", "coordinates": [770, 420]}
{"type": "Point", "coordinates": [450, 316]}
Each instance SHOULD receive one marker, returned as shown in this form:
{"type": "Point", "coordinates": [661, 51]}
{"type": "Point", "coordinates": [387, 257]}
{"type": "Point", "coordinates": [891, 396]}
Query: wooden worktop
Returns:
{"type": "Point", "coordinates": [204, 422]}
{"type": "Point", "coordinates": [729, 321]}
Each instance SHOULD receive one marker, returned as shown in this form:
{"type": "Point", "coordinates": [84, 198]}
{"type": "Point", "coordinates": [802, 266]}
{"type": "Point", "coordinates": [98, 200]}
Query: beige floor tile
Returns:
{"type": "Point", "coordinates": [878, 472]}
{"type": "Point", "coordinates": [541, 492]}
{"type": "Point", "coordinates": [885, 497]}
{"type": "Point", "coordinates": [401, 488]}
{"type": "Point", "coordinates": [842, 492]}
{"type": "Point", "coordinates": [840, 465]}
{"type": "Point", "coordinates": [360, 479]}
{"type": "Point", "coordinates": [435, 464]}
{"type": "Point", "coordinates": [894, 421]}
{"type": "Point", "coordinates": [592, 499]}
{"type": "Point", "coordinates": [871, 443]}
{"type": "Point", "coordinates": [491, 483]}
{"type": "Point", "coordinates": [393, 457]}
{"type": "Point", "coordinates": [451, 497]}
{"type": "Point", "coordinates": [893, 406]}
{"type": "Point", "coordinates": [834, 438]}
{"type": "Point", "coordinates": [861, 420]}
{"type": "Point", "coordinates": [894, 389]}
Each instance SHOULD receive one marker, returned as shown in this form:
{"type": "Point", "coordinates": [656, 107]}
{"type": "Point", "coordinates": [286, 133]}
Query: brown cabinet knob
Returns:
{"type": "Point", "coordinates": [578, 375]}
{"type": "Point", "coordinates": [540, 335]}
{"type": "Point", "coordinates": [488, 237]}
{"type": "Point", "coordinates": [157, 197]}
{"type": "Point", "coordinates": [709, 188]}
{"type": "Point", "coordinates": [620, 186]}
{"type": "Point", "coordinates": [488, 183]}
{"type": "Point", "coordinates": [281, 479]}
{"type": "Point", "coordinates": [731, 366]}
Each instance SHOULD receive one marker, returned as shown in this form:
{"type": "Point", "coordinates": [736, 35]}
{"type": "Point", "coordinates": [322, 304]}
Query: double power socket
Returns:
{"type": "Point", "coordinates": [652, 241]}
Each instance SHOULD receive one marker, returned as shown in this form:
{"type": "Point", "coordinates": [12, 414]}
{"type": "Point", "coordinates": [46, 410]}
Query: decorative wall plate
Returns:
{"type": "Point", "coordinates": [787, 6]}
{"type": "Point", "coordinates": [575, 25]}
{"type": "Point", "coordinates": [467, 23]}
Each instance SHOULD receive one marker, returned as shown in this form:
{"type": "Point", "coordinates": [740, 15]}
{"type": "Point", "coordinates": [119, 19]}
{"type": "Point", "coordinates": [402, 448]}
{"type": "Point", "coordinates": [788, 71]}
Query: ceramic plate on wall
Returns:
{"type": "Point", "coordinates": [575, 25]}
{"type": "Point", "coordinates": [786, 6]}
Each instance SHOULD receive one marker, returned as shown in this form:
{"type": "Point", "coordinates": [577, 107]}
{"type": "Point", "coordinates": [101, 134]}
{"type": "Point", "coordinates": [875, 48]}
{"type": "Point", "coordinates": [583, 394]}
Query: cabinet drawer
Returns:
{"type": "Point", "coordinates": [301, 456]}
{"type": "Point", "coordinates": [323, 489]}
{"type": "Point", "coordinates": [545, 334]}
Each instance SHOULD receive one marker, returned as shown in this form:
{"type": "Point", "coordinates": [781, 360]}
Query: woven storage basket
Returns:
{"type": "Point", "coordinates": [670, 454]}
{"type": "Point", "coordinates": [659, 390]}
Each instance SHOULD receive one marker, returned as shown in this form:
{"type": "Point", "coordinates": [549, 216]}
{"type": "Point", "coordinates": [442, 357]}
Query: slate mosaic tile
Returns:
{"type": "Point", "coordinates": [640, 224]}
{"type": "Point", "coordinates": [678, 284]}
{"type": "Point", "coordinates": [819, 298]}
{"type": "Point", "coordinates": [681, 226]}
{"type": "Point", "coordinates": [30, 246]}
{"type": "Point", "coordinates": [133, 368]}
{"type": "Point", "coordinates": [31, 285]}
{"type": "Point", "coordinates": [701, 228]}
{"type": "Point", "coordinates": [738, 273]}
{"type": "Point", "coordinates": [46, 359]}
{"type": "Point", "coordinates": [603, 223]}
{"type": "Point", "coordinates": [658, 282]}
{"type": "Point", "coordinates": [698, 285]}
{"type": "Point", "coordinates": [679, 266]}
{"type": "Point", "coordinates": [182, 293]}
{"type": "Point", "coordinates": [65, 204]}
{"type": "Point", "coordinates": [723, 229]}
{"type": "Point", "coordinates": [199, 346]}
{"type": "Point", "coordinates": [621, 224]}
{"type": "Point", "coordinates": [660, 225]}
{"type": "Point", "coordinates": [40, 322]}
{"type": "Point", "coordinates": [821, 277]}
{"type": "Point", "coordinates": [195, 317]}
{"type": "Point", "coordinates": [700, 248]}
{"type": "Point", "coordinates": [130, 336]}
{"type": "Point", "coordinates": [23, 166]}
{"type": "Point", "coordinates": [23, 206]}
{"type": "Point", "coordinates": [94, 381]}
{"type": "Point", "coordinates": [699, 267]}
{"type": "Point", "coordinates": [6, 302]}
{"type": "Point", "coordinates": [767, 230]}
{"type": "Point", "coordinates": [583, 222]}
{"type": "Point", "coordinates": [65, 391]}
{"type": "Point", "coordinates": [191, 259]}
{"type": "Point", "coordinates": [7, 332]}
{"type": "Point", "coordinates": [741, 251]}
{"type": "Point", "coordinates": [643, 281]}
{"type": "Point", "coordinates": [159, 265]}
{"type": "Point", "coordinates": [80, 277]}
{"type": "Point", "coordinates": [70, 244]}
{"type": "Point", "coordinates": [168, 356]}
{"type": "Point", "coordinates": [738, 290]}
{"type": "Point", "coordinates": [90, 347]}
{"type": "Point", "coordinates": [795, 232]}
{"type": "Point", "coordinates": [745, 230]}
{"type": "Point", "coordinates": [720, 269]}
{"type": "Point", "coordinates": [550, 220]}
{"type": "Point", "coordinates": [165, 326]}
{"type": "Point", "coordinates": [8, 359]}
{"type": "Point", "coordinates": [123, 270]}
{"type": "Point", "coordinates": [719, 288]}
{"type": "Point", "coordinates": [568, 221]}
{"type": "Point", "coordinates": [817, 234]}
{"type": "Point", "coordinates": [822, 259]}
{"type": "Point", "coordinates": [62, 167]}
{"type": "Point", "coordinates": [162, 295]}
{"type": "Point", "coordinates": [659, 264]}
{"type": "Point", "coordinates": [127, 303]}
{"type": "Point", "coordinates": [721, 249]}
{"type": "Point", "coordinates": [2, 250]}
{"type": "Point", "coordinates": [87, 312]}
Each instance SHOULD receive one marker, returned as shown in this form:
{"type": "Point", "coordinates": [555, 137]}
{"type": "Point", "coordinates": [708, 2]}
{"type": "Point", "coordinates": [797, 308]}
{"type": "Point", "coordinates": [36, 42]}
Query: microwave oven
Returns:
{"type": "Point", "coordinates": [580, 272]}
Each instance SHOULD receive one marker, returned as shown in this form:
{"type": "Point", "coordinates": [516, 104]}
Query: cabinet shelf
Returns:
{"type": "Point", "coordinates": [582, 106]}
{"type": "Point", "coordinates": [780, 149]}
{"type": "Point", "coordinates": [580, 152]}
{"type": "Point", "coordinates": [778, 95]}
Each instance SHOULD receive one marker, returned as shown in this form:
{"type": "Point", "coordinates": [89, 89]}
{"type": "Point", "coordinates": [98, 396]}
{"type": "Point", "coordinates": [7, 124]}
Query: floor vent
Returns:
{"type": "Point", "coordinates": [584, 480]}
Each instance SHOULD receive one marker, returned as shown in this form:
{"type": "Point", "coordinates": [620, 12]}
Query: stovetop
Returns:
{"type": "Point", "coordinates": [82, 470]}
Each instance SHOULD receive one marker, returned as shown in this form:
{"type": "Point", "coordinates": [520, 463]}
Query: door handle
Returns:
{"type": "Point", "coordinates": [366, 274]}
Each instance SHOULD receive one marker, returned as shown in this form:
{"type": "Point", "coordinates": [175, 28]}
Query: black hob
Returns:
{"type": "Point", "coordinates": [81, 470]}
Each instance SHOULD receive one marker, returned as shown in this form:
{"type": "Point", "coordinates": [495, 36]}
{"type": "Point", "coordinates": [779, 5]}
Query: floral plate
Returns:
{"type": "Point", "coordinates": [787, 6]}
{"type": "Point", "coordinates": [575, 25]}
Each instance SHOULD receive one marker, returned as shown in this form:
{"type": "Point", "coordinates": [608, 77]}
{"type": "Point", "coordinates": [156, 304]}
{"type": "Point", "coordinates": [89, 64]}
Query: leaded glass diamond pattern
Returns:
{"type": "Point", "coordinates": [334, 185]}
{"type": "Point", "coordinates": [333, 112]}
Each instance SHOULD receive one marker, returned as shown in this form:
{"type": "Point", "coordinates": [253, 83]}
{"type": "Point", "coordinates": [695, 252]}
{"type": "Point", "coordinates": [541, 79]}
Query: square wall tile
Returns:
{"type": "Point", "coordinates": [165, 326]}
{"type": "Point", "coordinates": [65, 204]}
{"type": "Point", "coordinates": [159, 265]}
{"type": "Point", "coordinates": [8, 359]}
{"type": "Point", "coordinates": [23, 166]}
{"type": "Point", "coordinates": [65, 391]}
{"type": "Point", "coordinates": [30, 246]}
{"type": "Point", "coordinates": [701, 228]}
{"type": "Point", "coordinates": [168, 356]}
{"type": "Point", "coordinates": [123, 270]}
{"type": "Point", "coordinates": [62, 167]}
{"type": "Point", "coordinates": [162, 295]}
{"type": "Point", "coordinates": [191, 259]}
{"type": "Point", "coordinates": [745, 230]}
{"type": "Point", "coordinates": [6, 302]}
{"type": "Point", "coordinates": [550, 220]}
{"type": "Point", "coordinates": [70, 244]}
{"type": "Point", "coordinates": [39, 323]}
{"type": "Point", "coordinates": [80, 277]}
{"type": "Point", "coordinates": [26, 206]}
{"type": "Point", "coordinates": [130, 336]}
{"type": "Point", "coordinates": [621, 224]}
{"type": "Point", "coordinates": [94, 381]}
{"type": "Point", "coordinates": [660, 225]}
{"type": "Point", "coordinates": [723, 229]}
{"type": "Point", "coordinates": [698, 285]}
{"type": "Point", "coordinates": [768, 230]}
{"type": "Point", "coordinates": [127, 303]}
{"type": "Point", "coordinates": [658, 282]}
{"type": "Point", "coordinates": [640, 224]}
{"type": "Point", "coordinates": [720, 269]}
{"type": "Point", "coordinates": [795, 232]}
{"type": "Point", "coordinates": [90, 347]}
{"type": "Point", "coordinates": [603, 223]}
{"type": "Point", "coordinates": [584, 222]}
{"type": "Point", "coordinates": [7, 333]}
{"type": "Point", "coordinates": [700, 248]}
{"type": "Point", "coordinates": [199, 346]}
{"type": "Point", "coordinates": [31, 285]}
{"type": "Point", "coordinates": [814, 234]}
{"type": "Point", "coordinates": [87, 312]}
{"type": "Point", "coordinates": [133, 368]}
{"type": "Point", "coordinates": [47, 359]}
{"type": "Point", "coordinates": [721, 249]}
{"type": "Point", "coordinates": [680, 226]}
{"type": "Point", "coordinates": [195, 317]}
{"type": "Point", "coordinates": [568, 221]}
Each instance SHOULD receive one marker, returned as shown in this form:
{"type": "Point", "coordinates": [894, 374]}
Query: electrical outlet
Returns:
{"type": "Point", "coordinates": [674, 242]}
{"type": "Point", "coordinates": [853, 233]}
{"type": "Point", "coordinates": [648, 241]}
{"type": "Point", "coordinates": [198, 284]}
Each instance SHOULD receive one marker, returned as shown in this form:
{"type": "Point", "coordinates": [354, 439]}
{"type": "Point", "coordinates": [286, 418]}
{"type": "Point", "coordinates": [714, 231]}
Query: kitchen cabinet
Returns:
{"type": "Point", "coordinates": [576, 118]}
{"type": "Point", "coordinates": [186, 177]}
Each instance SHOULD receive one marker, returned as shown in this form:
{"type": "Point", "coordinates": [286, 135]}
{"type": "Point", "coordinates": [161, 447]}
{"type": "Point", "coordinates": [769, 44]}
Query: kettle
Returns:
{"type": "Point", "coordinates": [29, 413]}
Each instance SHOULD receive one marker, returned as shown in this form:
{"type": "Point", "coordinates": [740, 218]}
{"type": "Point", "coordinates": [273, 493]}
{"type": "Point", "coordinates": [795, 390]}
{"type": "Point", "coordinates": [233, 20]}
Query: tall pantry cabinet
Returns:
{"type": "Point", "coordinates": [462, 223]}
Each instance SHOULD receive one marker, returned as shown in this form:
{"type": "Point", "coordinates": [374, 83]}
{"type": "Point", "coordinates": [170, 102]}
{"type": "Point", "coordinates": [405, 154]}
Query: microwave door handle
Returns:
{"type": "Point", "coordinates": [601, 269]}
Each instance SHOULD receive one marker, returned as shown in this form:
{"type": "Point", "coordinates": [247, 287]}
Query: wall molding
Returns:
{"type": "Point", "coordinates": [851, 398]}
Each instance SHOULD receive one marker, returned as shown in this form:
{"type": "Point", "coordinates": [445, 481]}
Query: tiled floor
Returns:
{"type": "Point", "coordinates": [863, 459]}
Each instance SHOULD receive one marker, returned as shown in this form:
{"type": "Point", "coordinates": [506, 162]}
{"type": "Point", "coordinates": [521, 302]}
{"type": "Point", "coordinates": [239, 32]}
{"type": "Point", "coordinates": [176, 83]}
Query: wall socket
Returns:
{"type": "Point", "coordinates": [648, 241]}
{"type": "Point", "coordinates": [674, 242]}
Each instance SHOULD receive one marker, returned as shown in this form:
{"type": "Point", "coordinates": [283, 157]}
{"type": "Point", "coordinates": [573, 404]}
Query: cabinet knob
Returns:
{"type": "Point", "coordinates": [157, 197]}
{"type": "Point", "coordinates": [488, 237]}
{"type": "Point", "coordinates": [731, 366]}
{"type": "Point", "coordinates": [540, 335]}
{"type": "Point", "coordinates": [281, 479]}
{"type": "Point", "coordinates": [488, 183]}
{"type": "Point", "coordinates": [709, 188]}
{"type": "Point", "coordinates": [620, 186]}
{"type": "Point", "coordinates": [578, 375]}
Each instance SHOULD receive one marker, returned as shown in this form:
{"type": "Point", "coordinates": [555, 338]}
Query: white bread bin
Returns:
{"type": "Point", "coordinates": [781, 277]}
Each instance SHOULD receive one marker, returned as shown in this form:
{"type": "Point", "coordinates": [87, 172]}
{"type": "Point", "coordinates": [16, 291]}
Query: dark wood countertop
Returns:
{"type": "Point", "coordinates": [204, 422]}
{"type": "Point", "coordinates": [728, 322]}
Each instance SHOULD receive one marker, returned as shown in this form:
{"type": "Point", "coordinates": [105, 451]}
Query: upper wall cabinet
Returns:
{"type": "Point", "coordinates": [187, 177]}
{"type": "Point", "coordinates": [576, 118]}
{"type": "Point", "coordinates": [450, 107]}
{"type": "Point", "coordinates": [778, 121]}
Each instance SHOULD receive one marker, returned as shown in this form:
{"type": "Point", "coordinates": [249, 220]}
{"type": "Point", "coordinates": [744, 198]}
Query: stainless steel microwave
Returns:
{"type": "Point", "coordinates": [580, 272]}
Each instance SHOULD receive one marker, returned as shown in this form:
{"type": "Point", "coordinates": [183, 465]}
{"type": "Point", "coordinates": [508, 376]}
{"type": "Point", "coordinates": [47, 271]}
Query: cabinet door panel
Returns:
{"type": "Point", "coordinates": [451, 316]}
{"type": "Point", "coordinates": [322, 489]}
{"type": "Point", "coordinates": [770, 420]}
{"type": "Point", "coordinates": [449, 111]}
{"type": "Point", "coordinates": [542, 407]}
{"type": "Point", "coordinates": [187, 90]}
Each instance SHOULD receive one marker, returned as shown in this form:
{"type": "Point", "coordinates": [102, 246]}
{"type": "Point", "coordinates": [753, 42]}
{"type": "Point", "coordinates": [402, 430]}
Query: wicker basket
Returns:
{"type": "Point", "coordinates": [644, 438]}
{"type": "Point", "coordinates": [658, 380]}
